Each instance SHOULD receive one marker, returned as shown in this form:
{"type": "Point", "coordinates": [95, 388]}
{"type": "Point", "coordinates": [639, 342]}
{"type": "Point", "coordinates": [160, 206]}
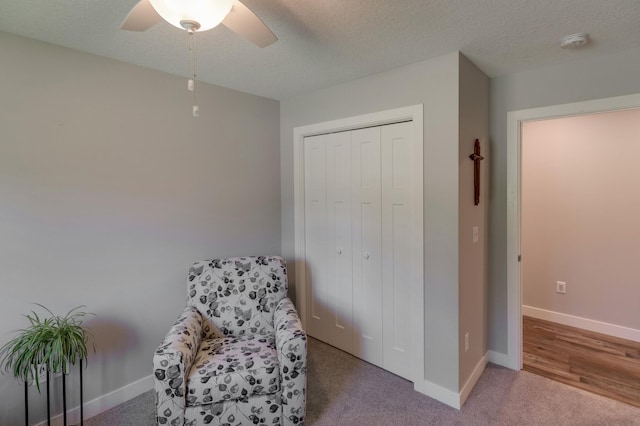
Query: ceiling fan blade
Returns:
{"type": "Point", "coordinates": [141, 17]}
{"type": "Point", "coordinates": [245, 23]}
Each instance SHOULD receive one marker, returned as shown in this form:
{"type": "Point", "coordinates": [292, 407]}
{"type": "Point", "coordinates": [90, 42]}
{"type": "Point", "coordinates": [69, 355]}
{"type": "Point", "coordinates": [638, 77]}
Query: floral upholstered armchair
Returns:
{"type": "Point", "coordinates": [237, 355]}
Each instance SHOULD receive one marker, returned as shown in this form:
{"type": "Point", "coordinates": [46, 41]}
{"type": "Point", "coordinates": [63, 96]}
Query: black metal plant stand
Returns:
{"type": "Point", "coordinates": [64, 400]}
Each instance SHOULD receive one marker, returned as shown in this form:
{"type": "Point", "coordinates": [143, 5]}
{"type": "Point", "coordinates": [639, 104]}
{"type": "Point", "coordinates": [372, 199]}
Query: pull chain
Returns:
{"type": "Point", "coordinates": [191, 85]}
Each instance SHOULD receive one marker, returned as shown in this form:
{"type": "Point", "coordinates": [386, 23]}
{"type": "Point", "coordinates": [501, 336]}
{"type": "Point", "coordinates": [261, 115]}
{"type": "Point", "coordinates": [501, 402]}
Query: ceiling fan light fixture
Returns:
{"type": "Point", "coordinates": [207, 13]}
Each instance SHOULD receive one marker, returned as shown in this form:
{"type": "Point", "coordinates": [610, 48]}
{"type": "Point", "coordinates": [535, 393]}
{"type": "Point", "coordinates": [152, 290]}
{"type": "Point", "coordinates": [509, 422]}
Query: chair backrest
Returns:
{"type": "Point", "coordinates": [237, 296]}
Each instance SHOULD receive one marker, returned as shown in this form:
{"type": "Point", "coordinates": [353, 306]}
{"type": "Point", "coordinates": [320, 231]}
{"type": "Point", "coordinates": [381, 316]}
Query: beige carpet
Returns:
{"type": "Point", "coordinates": [343, 390]}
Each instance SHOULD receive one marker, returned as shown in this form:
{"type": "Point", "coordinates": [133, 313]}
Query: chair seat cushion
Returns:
{"type": "Point", "coordinates": [232, 368]}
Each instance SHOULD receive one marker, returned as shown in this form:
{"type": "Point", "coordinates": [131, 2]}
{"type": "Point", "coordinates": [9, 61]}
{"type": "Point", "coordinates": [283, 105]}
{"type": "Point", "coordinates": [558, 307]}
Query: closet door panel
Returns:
{"type": "Point", "coordinates": [396, 248]}
{"type": "Point", "coordinates": [366, 232]}
{"type": "Point", "coordinates": [316, 236]}
{"type": "Point", "coordinates": [358, 215]}
{"type": "Point", "coordinates": [339, 251]}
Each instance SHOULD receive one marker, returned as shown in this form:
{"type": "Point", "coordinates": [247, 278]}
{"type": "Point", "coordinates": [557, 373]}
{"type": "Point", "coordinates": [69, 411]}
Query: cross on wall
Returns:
{"type": "Point", "coordinates": [476, 158]}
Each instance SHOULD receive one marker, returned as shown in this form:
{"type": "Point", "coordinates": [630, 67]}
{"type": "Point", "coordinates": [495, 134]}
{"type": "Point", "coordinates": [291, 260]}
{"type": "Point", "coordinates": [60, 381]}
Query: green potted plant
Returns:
{"type": "Point", "coordinates": [51, 343]}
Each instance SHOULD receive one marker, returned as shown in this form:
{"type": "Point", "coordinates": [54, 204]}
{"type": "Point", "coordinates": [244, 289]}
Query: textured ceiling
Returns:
{"type": "Point", "coordinates": [326, 42]}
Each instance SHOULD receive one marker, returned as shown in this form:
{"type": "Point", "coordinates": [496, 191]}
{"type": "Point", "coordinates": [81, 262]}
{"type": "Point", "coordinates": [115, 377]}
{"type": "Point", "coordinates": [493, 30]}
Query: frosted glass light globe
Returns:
{"type": "Point", "coordinates": [207, 13]}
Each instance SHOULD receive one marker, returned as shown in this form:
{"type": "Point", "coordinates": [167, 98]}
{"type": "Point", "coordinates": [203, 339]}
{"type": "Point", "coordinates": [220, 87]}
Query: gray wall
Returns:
{"type": "Point", "coordinates": [109, 189]}
{"type": "Point", "coordinates": [473, 262]}
{"type": "Point", "coordinates": [433, 83]}
{"type": "Point", "coordinates": [580, 210]}
{"type": "Point", "coordinates": [601, 77]}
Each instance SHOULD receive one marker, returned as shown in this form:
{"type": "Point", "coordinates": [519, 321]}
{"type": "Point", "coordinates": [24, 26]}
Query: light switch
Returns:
{"type": "Point", "coordinates": [475, 234]}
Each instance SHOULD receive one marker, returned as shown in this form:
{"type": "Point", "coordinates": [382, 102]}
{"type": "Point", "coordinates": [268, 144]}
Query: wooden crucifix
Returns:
{"type": "Point", "coordinates": [476, 158]}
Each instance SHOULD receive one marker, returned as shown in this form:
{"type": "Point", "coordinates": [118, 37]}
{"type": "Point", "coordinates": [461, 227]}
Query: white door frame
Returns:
{"type": "Point", "coordinates": [415, 115]}
{"type": "Point", "coordinates": [514, 164]}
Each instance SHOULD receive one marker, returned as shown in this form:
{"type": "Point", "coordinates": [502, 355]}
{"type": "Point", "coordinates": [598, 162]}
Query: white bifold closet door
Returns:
{"type": "Point", "coordinates": [367, 245]}
{"type": "Point", "coordinates": [358, 243]}
{"type": "Point", "coordinates": [328, 238]}
{"type": "Point", "coordinates": [397, 256]}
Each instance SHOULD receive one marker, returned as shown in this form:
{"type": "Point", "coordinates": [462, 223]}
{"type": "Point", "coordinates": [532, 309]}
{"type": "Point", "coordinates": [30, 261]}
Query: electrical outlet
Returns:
{"type": "Point", "coordinates": [466, 341]}
{"type": "Point", "coordinates": [561, 287]}
{"type": "Point", "coordinates": [40, 372]}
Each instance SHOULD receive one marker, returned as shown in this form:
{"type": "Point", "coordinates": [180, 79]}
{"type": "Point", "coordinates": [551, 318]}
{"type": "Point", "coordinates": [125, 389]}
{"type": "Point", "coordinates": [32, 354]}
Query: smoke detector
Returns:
{"type": "Point", "coordinates": [574, 41]}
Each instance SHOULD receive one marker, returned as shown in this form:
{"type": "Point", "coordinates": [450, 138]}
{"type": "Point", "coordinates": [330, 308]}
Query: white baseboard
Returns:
{"type": "Point", "coordinates": [104, 402]}
{"type": "Point", "coordinates": [449, 397]}
{"type": "Point", "coordinates": [584, 323]}
{"type": "Point", "coordinates": [444, 395]}
{"type": "Point", "coordinates": [473, 379]}
{"type": "Point", "coordinates": [498, 358]}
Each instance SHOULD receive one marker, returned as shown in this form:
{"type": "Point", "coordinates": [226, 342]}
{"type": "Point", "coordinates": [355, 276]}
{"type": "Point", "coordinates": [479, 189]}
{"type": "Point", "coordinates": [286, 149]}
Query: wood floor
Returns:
{"type": "Point", "coordinates": [591, 361]}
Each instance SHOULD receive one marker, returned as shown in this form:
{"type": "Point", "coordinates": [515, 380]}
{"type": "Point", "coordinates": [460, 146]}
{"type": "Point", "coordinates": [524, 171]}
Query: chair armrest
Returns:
{"type": "Point", "coordinates": [291, 344]}
{"type": "Point", "coordinates": [171, 364]}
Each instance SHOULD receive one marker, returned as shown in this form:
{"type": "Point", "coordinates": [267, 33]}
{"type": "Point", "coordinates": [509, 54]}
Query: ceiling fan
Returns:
{"type": "Point", "coordinates": [200, 15]}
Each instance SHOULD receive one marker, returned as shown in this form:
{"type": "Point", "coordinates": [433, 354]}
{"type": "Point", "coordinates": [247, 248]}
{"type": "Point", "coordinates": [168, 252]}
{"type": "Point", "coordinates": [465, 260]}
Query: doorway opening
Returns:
{"type": "Point", "coordinates": [579, 251]}
{"type": "Point", "coordinates": [515, 119]}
